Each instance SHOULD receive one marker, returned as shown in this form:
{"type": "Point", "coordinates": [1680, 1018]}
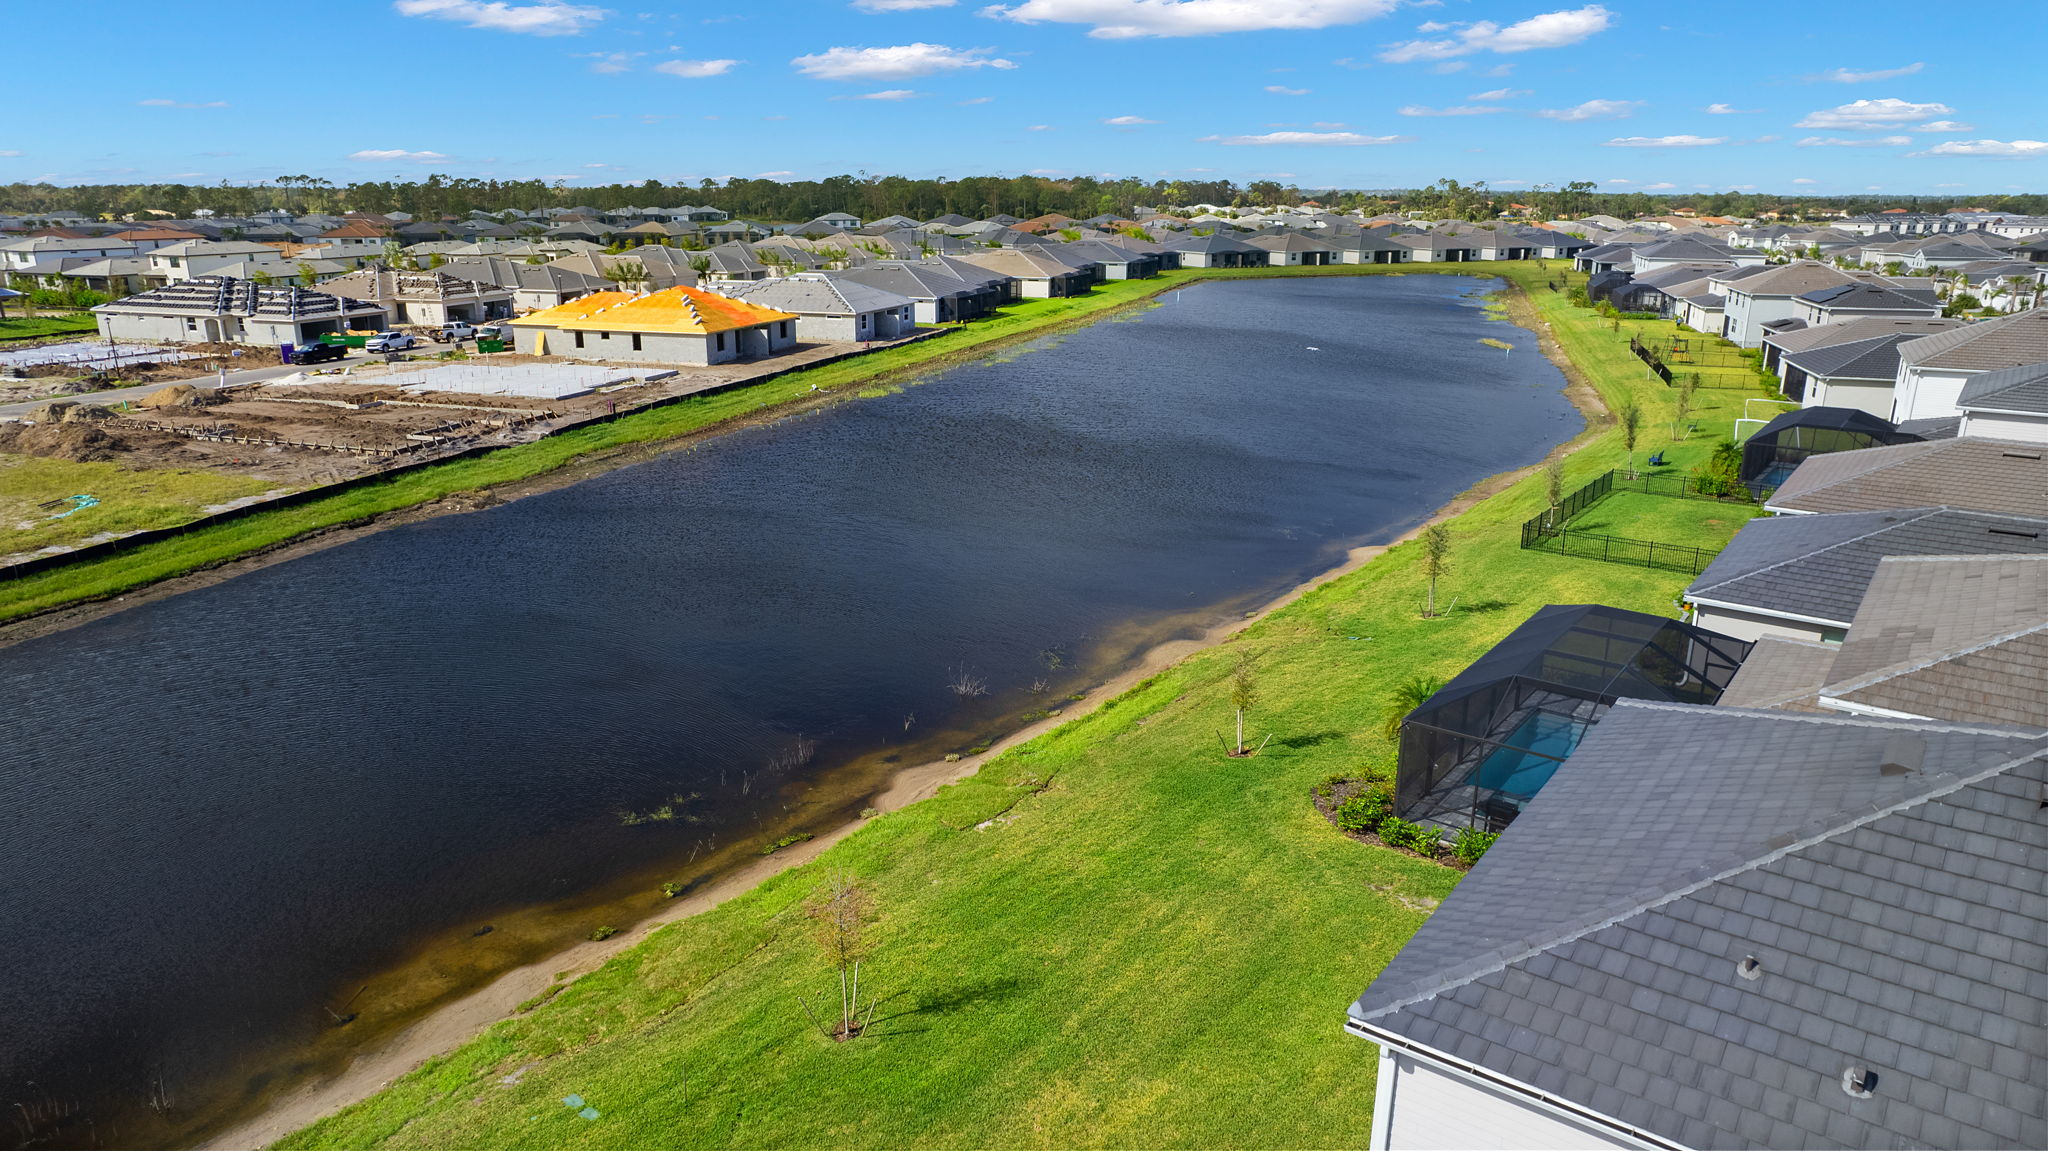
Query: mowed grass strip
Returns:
{"type": "Point", "coordinates": [32, 327]}
{"type": "Point", "coordinates": [1111, 936]}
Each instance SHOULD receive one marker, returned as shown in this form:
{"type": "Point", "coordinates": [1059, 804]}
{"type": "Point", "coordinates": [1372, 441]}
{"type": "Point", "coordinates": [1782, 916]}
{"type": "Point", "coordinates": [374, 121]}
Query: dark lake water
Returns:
{"type": "Point", "coordinates": [224, 812]}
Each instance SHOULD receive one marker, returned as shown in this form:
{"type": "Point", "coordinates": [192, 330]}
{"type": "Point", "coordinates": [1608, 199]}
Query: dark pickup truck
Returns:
{"type": "Point", "coordinates": [319, 353]}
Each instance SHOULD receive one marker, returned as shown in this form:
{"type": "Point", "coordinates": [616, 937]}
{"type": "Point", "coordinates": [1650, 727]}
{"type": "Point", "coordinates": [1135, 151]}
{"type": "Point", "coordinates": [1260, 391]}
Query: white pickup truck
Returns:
{"type": "Point", "coordinates": [390, 342]}
{"type": "Point", "coordinates": [454, 332]}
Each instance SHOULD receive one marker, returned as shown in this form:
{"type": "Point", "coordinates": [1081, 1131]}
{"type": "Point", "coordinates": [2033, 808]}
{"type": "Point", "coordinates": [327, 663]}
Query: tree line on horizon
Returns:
{"type": "Point", "coordinates": [977, 197]}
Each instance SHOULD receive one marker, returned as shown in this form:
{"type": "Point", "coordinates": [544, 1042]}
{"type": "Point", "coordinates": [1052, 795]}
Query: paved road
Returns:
{"type": "Point", "coordinates": [116, 395]}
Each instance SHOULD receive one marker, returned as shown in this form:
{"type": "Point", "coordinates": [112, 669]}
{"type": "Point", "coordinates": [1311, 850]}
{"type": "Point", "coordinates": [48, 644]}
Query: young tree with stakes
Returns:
{"type": "Point", "coordinates": [841, 910]}
{"type": "Point", "coordinates": [1682, 413]}
{"type": "Point", "coordinates": [1436, 560]}
{"type": "Point", "coordinates": [1244, 693]}
{"type": "Point", "coordinates": [1630, 417]}
{"type": "Point", "coordinates": [1553, 486]}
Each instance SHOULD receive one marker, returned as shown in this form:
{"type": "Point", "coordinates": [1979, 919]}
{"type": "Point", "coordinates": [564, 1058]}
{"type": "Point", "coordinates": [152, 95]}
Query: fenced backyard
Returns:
{"type": "Point", "coordinates": [1618, 518]}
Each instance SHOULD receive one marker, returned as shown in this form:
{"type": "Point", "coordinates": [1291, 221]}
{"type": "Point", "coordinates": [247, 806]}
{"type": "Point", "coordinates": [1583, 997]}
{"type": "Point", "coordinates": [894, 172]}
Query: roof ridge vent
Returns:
{"type": "Point", "coordinates": [1904, 753]}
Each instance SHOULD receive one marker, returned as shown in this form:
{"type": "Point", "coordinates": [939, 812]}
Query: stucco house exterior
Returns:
{"type": "Point", "coordinates": [679, 325]}
{"type": "Point", "coordinates": [1933, 371]}
{"type": "Point", "coordinates": [2009, 404]}
{"type": "Point", "coordinates": [426, 299]}
{"type": "Point", "coordinates": [210, 309]}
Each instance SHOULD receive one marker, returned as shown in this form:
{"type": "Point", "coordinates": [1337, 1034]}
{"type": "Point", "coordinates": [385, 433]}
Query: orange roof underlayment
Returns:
{"type": "Point", "coordinates": [679, 309]}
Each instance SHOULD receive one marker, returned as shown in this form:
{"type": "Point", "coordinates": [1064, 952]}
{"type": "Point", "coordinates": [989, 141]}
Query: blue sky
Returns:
{"type": "Point", "coordinates": [1823, 98]}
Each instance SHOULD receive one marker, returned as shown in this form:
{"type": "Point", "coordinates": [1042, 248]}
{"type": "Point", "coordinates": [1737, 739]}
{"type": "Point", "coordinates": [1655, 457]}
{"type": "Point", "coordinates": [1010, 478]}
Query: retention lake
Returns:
{"type": "Point", "coordinates": [232, 818]}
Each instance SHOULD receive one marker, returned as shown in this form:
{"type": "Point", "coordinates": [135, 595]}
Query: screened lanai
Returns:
{"type": "Point", "coordinates": [1480, 748]}
{"type": "Point", "coordinates": [1771, 455]}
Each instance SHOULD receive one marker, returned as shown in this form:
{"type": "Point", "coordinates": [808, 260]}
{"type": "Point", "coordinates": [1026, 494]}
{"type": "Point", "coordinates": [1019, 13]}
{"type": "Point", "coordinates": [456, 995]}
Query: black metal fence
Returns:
{"type": "Point", "coordinates": [1550, 530]}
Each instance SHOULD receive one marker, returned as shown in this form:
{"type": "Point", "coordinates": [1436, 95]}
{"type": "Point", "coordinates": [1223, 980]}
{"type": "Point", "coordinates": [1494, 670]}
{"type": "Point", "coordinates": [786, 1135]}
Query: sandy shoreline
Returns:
{"type": "Point", "coordinates": [445, 1028]}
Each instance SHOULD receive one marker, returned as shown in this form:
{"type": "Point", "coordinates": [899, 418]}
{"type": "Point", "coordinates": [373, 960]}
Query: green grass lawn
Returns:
{"type": "Point", "coordinates": [1664, 519]}
{"type": "Point", "coordinates": [18, 328]}
{"type": "Point", "coordinates": [130, 499]}
{"type": "Point", "coordinates": [1151, 945]}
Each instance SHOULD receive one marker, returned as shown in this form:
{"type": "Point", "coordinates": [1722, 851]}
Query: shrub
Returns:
{"type": "Point", "coordinates": [1721, 475]}
{"type": "Point", "coordinates": [1398, 832]}
{"type": "Point", "coordinates": [1472, 843]}
{"type": "Point", "coordinates": [1369, 810]}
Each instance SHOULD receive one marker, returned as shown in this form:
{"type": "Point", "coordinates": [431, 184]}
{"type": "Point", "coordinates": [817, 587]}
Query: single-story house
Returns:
{"type": "Point", "coordinates": [1859, 374]}
{"type": "Point", "coordinates": [1117, 261]}
{"type": "Point", "coordinates": [1932, 371]}
{"type": "Point", "coordinates": [1215, 250]}
{"type": "Point", "coordinates": [2009, 404]}
{"type": "Point", "coordinates": [427, 299]}
{"type": "Point", "coordinates": [1800, 337]}
{"type": "Point", "coordinates": [1037, 274]}
{"type": "Point", "coordinates": [676, 325]}
{"type": "Point", "coordinates": [211, 309]}
{"type": "Point", "coordinates": [1850, 301]}
{"type": "Point", "coordinates": [1294, 250]}
{"type": "Point", "coordinates": [936, 294]}
{"type": "Point", "coordinates": [831, 308]}
{"type": "Point", "coordinates": [1721, 927]}
{"type": "Point", "coordinates": [533, 285]}
{"type": "Point", "coordinates": [1802, 577]}
{"type": "Point", "coordinates": [1984, 475]}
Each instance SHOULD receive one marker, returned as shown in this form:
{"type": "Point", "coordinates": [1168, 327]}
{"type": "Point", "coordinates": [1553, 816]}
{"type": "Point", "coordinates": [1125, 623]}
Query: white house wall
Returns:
{"type": "Point", "coordinates": [1875, 398]}
{"type": "Point", "coordinates": [1747, 625]}
{"type": "Point", "coordinates": [1923, 394]}
{"type": "Point", "coordinates": [1429, 1108]}
{"type": "Point", "coordinates": [2024, 429]}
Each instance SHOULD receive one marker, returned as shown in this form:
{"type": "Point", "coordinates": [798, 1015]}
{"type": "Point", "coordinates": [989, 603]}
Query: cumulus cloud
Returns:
{"type": "Point", "coordinates": [1665, 142]}
{"type": "Point", "coordinates": [1987, 148]}
{"type": "Point", "coordinates": [549, 19]}
{"type": "Point", "coordinates": [1128, 121]}
{"type": "Point", "coordinates": [1457, 110]}
{"type": "Point", "coordinates": [1283, 90]}
{"type": "Point", "coordinates": [899, 5]}
{"type": "Point", "coordinates": [399, 154]}
{"type": "Point", "coordinates": [1868, 115]}
{"type": "Point", "coordinates": [901, 62]}
{"type": "Point", "coordinates": [1804, 180]}
{"type": "Point", "coordinates": [1845, 76]}
{"type": "Point", "coordinates": [1124, 19]}
{"type": "Point", "coordinates": [1500, 94]}
{"type": "Point", "coordinates": [1944, 126]}
{"type": "Point", "coordinates": [696, 69]}
{"type": "Point", "coordinates": [161, 103]}
{"type": "Point", "coordinates": [1549, 30]}
{"type": "Point", "coordinates": [1592, 110]}
{"type": "Point", "coordinates": [1304, 139]}
{"type": "Point", "coordinates": [1855, 142]}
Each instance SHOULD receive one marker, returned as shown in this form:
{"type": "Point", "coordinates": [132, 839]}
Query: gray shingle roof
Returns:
{"type": "Point", "coordinates": [1872, 359]}
{"type": "Point", "coordinates": [2021, 389]}
{"type": "Point", "coordinates": [1899, 921]}
{"type": "Point", "coordinates": [1871, 298]}
{"type": "Point", "coordinates": [2007, 342]}
{"type": "Point", "coordinates": [1964, 472]}
{"type": "Point", "coordinates": [816, 294]}
{"type": "Point", "coordinates": [1860, 328]}
{"type": "Point", "coordinates": [1781, 673]}
{"type": "Point", "coordinates": [1818, 567]}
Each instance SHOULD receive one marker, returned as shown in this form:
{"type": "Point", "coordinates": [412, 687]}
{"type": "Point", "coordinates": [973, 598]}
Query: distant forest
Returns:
{"type": "Point", "coordinates": [977, 197]}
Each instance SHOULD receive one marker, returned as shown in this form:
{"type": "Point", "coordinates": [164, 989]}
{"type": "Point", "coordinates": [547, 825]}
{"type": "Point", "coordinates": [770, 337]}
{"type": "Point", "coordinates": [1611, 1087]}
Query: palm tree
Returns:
{"type": "Point", "coordinates": [1406, 698]}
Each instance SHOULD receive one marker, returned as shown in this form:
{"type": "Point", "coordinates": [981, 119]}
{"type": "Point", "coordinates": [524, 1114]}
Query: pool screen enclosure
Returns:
{"type": "Point", "coordinates": [1777, 448]}
{"type": "Point", "coordinates": [1476, 751]}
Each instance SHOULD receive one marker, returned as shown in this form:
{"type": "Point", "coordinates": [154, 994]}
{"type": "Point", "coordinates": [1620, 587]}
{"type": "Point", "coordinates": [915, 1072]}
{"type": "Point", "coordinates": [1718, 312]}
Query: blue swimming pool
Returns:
{"type": "Point", "coordinates": [1523, 765]}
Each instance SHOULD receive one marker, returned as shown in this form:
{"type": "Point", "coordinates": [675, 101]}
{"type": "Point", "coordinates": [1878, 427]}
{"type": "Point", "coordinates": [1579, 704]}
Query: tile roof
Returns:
{"type": "Point", "coordinates": [816, 294]}
{"type": "Point", "coordinates": [1870, 298]}
{"type": "Point", "coordinates": [1876, 358]}
{"type": "Point", "coordinates": [1818, 567]}
{"type": "Point", "coordinates": [2021, 389]}
{"type": "Point", "coordinates": [1781, 673]}
{"type": "Point", "coordinates": [1898, 920]}
{"type": "Point", "coordinates": [1971, 472]}
{"type": "Point", "coordinates": [1860, 328]}
{"type": "Point", "coordinates": [2007, 342]}
{"type": "Point", "coordinates": [1792, 279]}
{"type": "Point", "coordinates": [680, 309]}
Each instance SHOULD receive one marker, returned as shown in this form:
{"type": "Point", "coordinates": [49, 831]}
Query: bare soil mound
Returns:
{"type": "Point", "coordinates": [83, 443]}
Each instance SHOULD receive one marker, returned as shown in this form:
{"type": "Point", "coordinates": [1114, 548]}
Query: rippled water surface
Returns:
{"type": "Point", "coordinates": [224, 812]}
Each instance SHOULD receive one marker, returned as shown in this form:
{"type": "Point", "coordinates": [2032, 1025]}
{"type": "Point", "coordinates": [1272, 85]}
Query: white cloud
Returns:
{"type": "Point", "coordinates": [1329, 124]}
{"type": "Point", "coordinates": [1728, 110]}
{"type": "Point", "coordinates": [1665, 142]}
{"type": "Point", "coordinates": [388, 154]}
{"type": "Point", "coordinates": [161, 103]}
{"type": "Point", "coordinates": [1500, 94]}
{"type": "Point", "coordinates": [1592, 110]}
{"type": "Point", "coordinates": [1660, 186]}
{"type": "Point", "coordinates": [1458, 110]}
{"type": "Point", "coordinates": [1855, 142]}
{"type": "Point", "coordinates": [610, 63]}
{"type": "Point", "coordinates": [899, 5]}
{"type": "Point", "coordinates": [1949, 185]}
{"type": "Point", "coordinates": [1304, 139]}
{"type": "Point", "coordinates": [1868, 115]}
{"type": "Point", "coordinates": [1988, 148]}
{"type": "Point", "coordinates": [888, 94]}
{"type": "Point", "coordinates": [1845, 76]}
{"type": "Point", "coordinates": [1944, 126]}
{"type": "Point", "coordinates": [1128, 121]}
{"type": "Point", "coordinates": [10, 152]}
{"type": "Point", "coordinates": [547, 19]}
{"type": "Point", "coordinates": [696, 69]}
{"type": "Point", "coordinates": [1039, 128]}
{"type": "Point", "coordinates": [776, 175]}
{"type": "Point", "coordinates": [1283, 90]}
{"type": "Point", "coordinates": [977, 100]}
{"type": "Point", "coordinates": [1804, 180]}
{"type": "Point", "coordinates": [1549, 30]}
{"type": "Point", "coordinates": [901, 62]}
{"type": "Point", "coordinates": [1124, 19]}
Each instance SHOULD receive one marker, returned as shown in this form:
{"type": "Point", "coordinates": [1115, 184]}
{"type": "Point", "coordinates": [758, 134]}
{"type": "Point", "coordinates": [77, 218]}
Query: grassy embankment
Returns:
{"type": "Point", "coordinates": [1110, 936]}
{"type": "Point", "coordinates": [130, 499]}
{"type": "Point", "coordinates": [26, 328]}
{"type": "Point", "coordinates": [91, 579]}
